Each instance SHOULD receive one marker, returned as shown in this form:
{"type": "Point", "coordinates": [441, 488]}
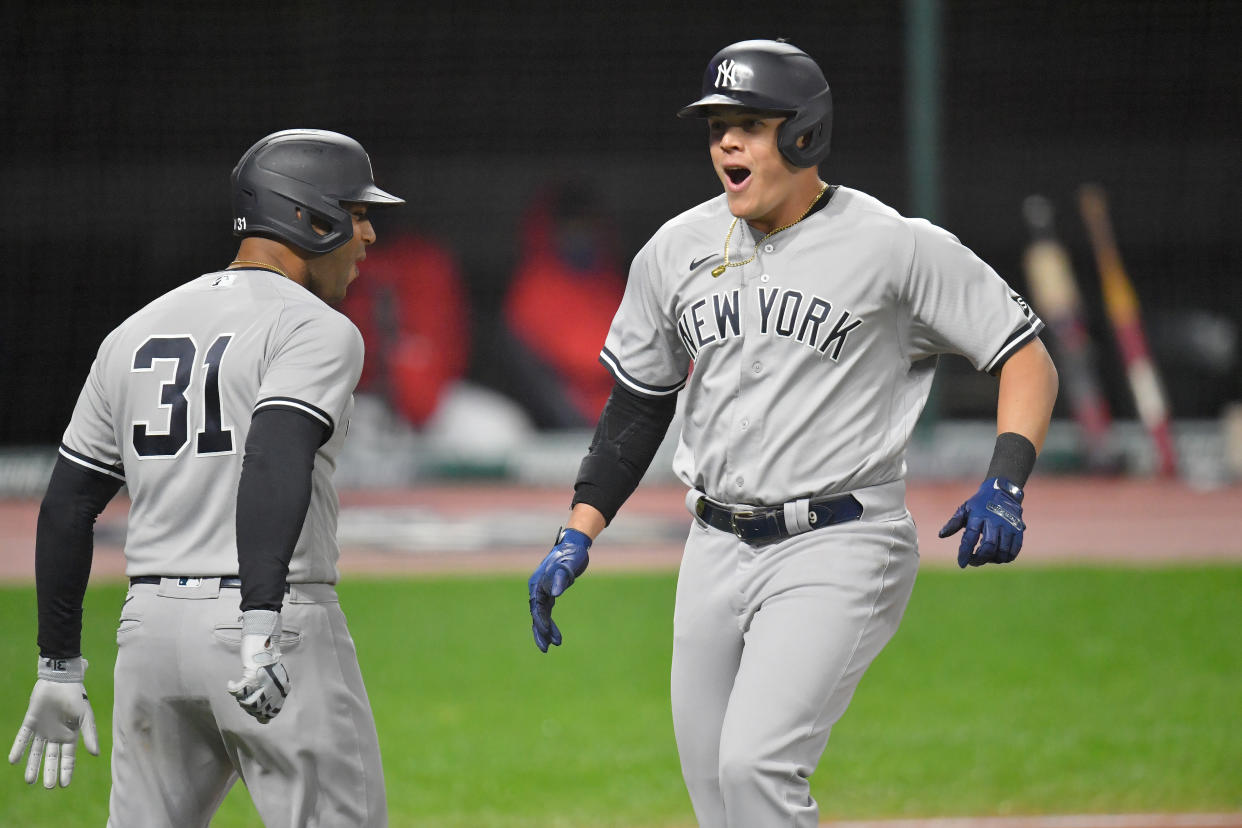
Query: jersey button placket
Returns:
{"type": "Point", "coordinates": [745, 436]}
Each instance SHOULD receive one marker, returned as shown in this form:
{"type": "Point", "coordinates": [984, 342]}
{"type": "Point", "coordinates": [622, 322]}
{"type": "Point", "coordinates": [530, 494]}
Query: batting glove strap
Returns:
{"type": "Point", "coordinates": [573, 536]}
{"type": "Point", "coordinates": [260, 644]}
{"type": "Point", "coordinates": [72, 670]}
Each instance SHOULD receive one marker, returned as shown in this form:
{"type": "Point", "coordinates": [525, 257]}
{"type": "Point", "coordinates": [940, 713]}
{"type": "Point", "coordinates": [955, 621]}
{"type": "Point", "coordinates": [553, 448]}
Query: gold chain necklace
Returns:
{"type": "Point", "coordinates": [719, 269]}
{"type": "Point", "coordinates": [260, 266]}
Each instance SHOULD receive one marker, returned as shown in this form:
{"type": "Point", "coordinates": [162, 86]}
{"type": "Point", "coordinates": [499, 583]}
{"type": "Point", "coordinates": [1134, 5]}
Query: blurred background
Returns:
{"type": "Point", "coordinates": [537, 147]}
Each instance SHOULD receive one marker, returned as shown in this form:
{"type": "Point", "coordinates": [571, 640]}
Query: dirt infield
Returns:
{"type": "Point", "coordinates": [490, 528]}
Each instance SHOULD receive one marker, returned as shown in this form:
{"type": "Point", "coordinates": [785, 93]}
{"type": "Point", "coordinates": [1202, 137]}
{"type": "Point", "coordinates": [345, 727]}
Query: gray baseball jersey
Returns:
{"type": "Point", "coordinates": [810, 362]}
{"type": "Point", "coordinates": [155, 413]}
{"type": "Point", "coordinates": [805, 370]}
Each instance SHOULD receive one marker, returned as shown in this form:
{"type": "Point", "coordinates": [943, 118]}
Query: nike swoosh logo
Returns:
{"type": "Point", "coordinates": [695, 263]}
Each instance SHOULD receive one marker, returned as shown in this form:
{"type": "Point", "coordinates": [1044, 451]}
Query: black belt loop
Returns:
{"type": "Point", "coordinates": [763, 524]}
{"type": "Point", "coordinates": [230, 582]}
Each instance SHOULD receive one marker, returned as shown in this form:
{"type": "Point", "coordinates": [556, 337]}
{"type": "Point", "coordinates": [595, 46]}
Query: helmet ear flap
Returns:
{"type": "Point", "coordinates": [814, 122]}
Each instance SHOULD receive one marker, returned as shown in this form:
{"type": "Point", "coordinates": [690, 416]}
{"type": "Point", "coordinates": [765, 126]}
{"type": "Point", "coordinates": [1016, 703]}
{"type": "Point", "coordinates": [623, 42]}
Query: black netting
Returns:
{"type": "Point", "coordinates": [122, 121]}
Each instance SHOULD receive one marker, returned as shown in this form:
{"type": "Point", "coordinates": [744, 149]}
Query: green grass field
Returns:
{"type": "Point", "coordinates": [1006, 691]}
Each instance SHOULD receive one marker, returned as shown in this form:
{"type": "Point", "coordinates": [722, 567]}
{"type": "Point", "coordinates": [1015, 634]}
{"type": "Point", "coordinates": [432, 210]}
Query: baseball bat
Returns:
{"type": "Point", "coordinates": [1055, 294]}
{"type": "Point", "coordinates": [1121, 303]}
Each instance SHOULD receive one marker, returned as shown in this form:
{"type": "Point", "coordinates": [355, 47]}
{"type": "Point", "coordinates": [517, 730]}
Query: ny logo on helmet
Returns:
{"type": "Point", "coordinates": [725, 73]}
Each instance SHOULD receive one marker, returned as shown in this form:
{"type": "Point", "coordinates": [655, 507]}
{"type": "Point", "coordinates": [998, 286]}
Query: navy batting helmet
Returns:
{"type": "Point", "coordinates": [295, 176]}
{"type": "Point", "coordinates": [772, 76]}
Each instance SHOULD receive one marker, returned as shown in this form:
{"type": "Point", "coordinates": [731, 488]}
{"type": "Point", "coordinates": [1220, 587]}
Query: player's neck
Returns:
{"type": "Point", "coordinates": [805, 193]}
{"type": "Point", "coordinates": [272, 255]}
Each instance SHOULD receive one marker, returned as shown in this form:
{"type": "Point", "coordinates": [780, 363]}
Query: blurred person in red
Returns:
{"type": "Point", "coordinates": [412, 312]}
{"type": "Point", "coordinates": [566, 286]}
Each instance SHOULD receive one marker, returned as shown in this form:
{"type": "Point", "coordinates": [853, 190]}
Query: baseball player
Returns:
{"type": "Point", "coordinates": [811, 316]}
{"type": "Point", "coordinates": [221, 406]}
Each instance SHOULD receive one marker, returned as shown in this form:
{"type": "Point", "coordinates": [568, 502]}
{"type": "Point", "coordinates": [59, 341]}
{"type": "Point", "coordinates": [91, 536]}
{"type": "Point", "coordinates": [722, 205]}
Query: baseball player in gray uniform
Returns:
{"type": "Point", "coordinates": [803, 321]}
{"type": "Point", "coordinates": [222, 406]}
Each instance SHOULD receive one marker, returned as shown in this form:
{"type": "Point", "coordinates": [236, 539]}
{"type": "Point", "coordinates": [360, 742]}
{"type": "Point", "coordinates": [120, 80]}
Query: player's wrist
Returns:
{"type": "Point", "coordinates": [1013, 458]}
{"type": "Point", "coordinates": [64, 670]}
{"type": "Point", "coordinates": [260, 622]}
{"type": "Point", "coordinates": [260, 639]}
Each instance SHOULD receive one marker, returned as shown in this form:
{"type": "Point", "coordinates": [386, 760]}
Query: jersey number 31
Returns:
{"type": "Point", "coordinates": [213, 438]}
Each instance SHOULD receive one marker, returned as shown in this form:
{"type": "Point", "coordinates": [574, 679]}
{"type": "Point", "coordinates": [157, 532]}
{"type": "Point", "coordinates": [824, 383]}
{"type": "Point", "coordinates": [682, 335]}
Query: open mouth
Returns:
{"type": "Point", "coordinates": [737, 174]}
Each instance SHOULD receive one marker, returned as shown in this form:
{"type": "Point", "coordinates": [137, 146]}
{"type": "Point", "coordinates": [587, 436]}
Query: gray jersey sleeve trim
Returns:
{"type": "Point", "coordinates": [300, 406]}
{"type": "Point", "coordinates": [1015, 342]}
{"type": "Point", "coordinates": [613, 365]}
{"type": "Point", "coordinates": [90, 463]}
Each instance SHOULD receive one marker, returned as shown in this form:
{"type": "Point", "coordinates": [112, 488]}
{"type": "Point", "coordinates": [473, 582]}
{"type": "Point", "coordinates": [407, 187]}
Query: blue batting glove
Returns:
{"type": "Point", "coordinates": [554, 575]}
{"type": "Point", "coordinates": [993, 519]}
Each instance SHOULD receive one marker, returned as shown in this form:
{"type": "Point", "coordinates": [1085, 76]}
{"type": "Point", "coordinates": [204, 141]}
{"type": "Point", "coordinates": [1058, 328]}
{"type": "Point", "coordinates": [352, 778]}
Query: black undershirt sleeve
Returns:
{"type": "Point", "coordinates": [64, 549]}
{"type": "Point", "coordinates": [629, 433]}
{"type": "Point", "coordinates": [272, 497]}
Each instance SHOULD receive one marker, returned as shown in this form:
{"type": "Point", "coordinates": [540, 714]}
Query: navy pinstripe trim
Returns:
{"type": "Point", "coordinates": [1015, 342]}
{"type": "Point", "coordinates": [613, 365]}
{"type": "Point", "coordinates": [302, 407]}
{"type": "Point", "coordinates": [117, 471]}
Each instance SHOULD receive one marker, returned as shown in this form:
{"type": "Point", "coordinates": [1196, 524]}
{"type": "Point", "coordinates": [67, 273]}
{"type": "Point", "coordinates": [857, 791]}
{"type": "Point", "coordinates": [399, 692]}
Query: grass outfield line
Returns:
{"type": "Point", "coordinates": [1006, 692]}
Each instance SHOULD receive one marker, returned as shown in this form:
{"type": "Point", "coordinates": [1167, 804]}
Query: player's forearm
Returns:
{"type": "Point", "coordinates": [64, 547]}
{"type": "Point", "coordinates": [1028, 389]}
{"type": "Point", "coordinates": [629, 433]}
{"type": "Point", "coordinates": [586, 519]}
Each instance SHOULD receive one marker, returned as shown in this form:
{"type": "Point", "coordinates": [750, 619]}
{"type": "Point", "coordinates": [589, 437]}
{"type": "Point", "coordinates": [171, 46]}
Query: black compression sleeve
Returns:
{"type": "Point", "coordinates": [64, 548]}
{"type": "Point", "coordinates": [630, 431]}
{"type": "Point", "coordinates": [272, 497]}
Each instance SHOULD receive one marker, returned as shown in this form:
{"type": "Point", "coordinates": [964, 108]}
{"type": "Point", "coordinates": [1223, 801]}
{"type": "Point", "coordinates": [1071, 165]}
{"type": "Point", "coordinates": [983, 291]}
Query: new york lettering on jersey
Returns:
{"type": "Point", "coordinates": [786, 313]}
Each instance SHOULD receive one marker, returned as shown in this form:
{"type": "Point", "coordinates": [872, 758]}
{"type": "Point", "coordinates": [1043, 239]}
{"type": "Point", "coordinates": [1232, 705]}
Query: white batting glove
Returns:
{"type": "Point", "coordinates": [58, 711]}
{"type": "Point", "coordinates": [264, 685]}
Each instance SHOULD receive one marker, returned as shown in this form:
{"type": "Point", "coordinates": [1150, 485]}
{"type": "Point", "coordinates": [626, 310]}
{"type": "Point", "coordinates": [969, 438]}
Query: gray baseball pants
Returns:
{"type": "Point", "coordinates": [769, 643]}
{"type": "Point", "coordinates": [180, 740]}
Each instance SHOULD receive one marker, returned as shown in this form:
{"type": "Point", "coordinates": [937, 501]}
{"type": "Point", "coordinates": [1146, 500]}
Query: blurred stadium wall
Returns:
{"type": "Point", "coordinates": [122, 124]}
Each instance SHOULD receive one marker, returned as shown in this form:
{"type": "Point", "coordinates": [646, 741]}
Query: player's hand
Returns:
{"type": "Point", "coordinates": [567, 560]}
{"type": "Point", "coordinates": [264, 685]}
{"type": "Point", "coordinates": [58, 711]}
{"type": "Point", "coordinates": [993, 519]}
